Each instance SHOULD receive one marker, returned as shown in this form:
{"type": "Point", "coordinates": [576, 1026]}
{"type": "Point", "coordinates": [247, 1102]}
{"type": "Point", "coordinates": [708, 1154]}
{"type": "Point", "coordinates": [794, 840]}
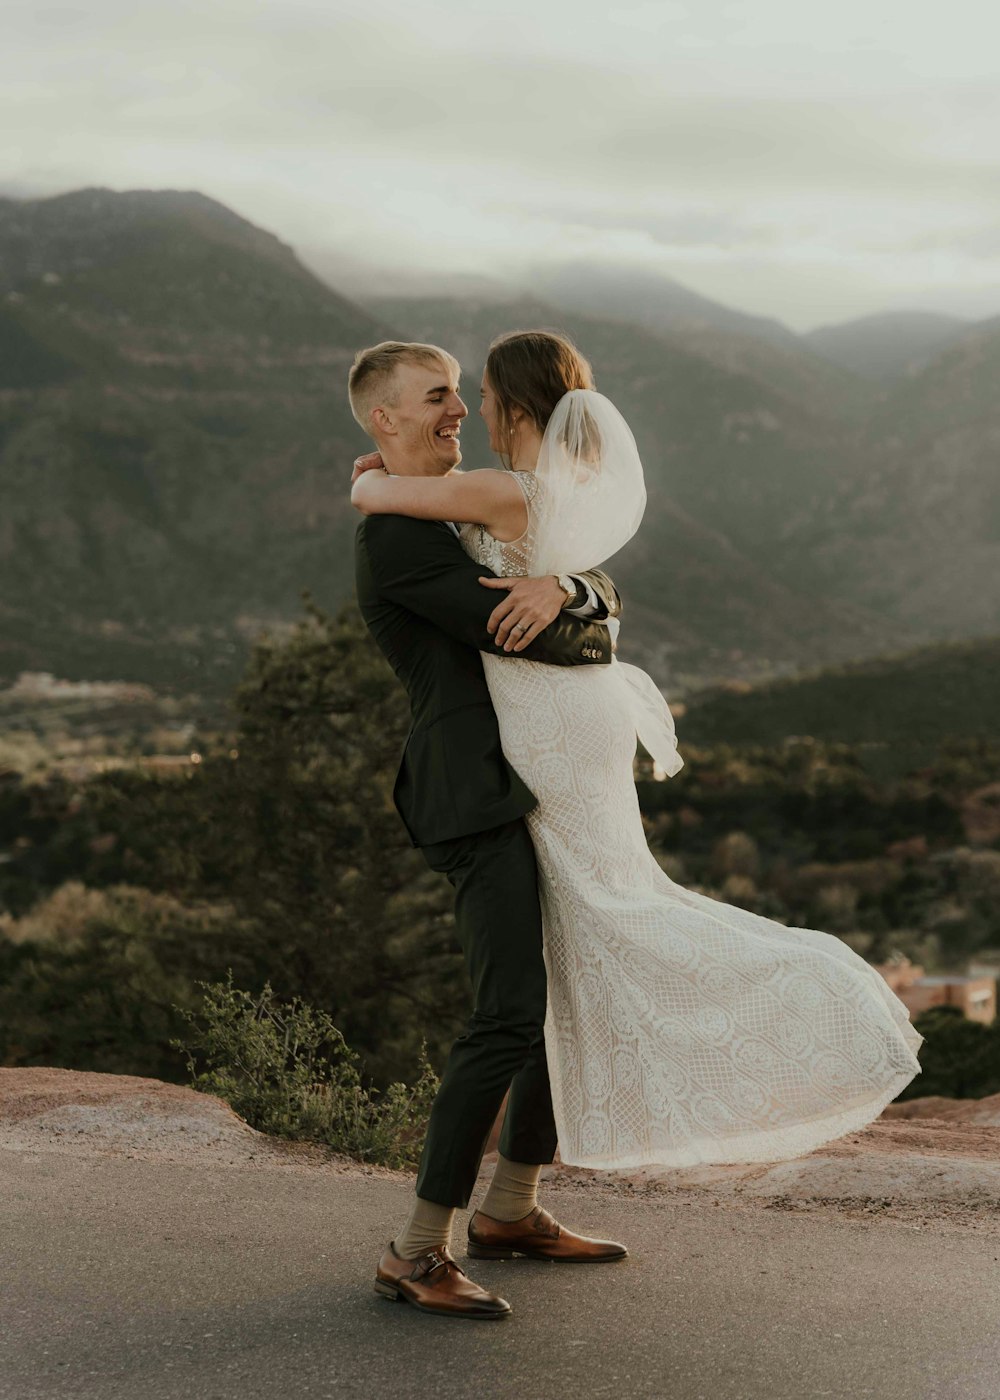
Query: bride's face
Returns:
{"type": "Point", "coordinates": [489, 414]}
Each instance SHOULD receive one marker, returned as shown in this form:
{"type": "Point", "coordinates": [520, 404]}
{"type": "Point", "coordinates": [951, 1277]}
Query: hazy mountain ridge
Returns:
{"type": "Point", "coordinates": [680, 402]}
{"type": "Point", "coordinates": [887, 345]}
{"type": "Point", "coordinates": [915, 524]}
{"type": "Point", "coordinates": [884, 508]}
{"type": "Point", "coordinates": [175, 443]}
{"type": "Point", "coordinates": [699, 569]}
{"type": "Point", "coordinates": [852, 509]}
{"type": "Point", "coordinates": [655, 302]}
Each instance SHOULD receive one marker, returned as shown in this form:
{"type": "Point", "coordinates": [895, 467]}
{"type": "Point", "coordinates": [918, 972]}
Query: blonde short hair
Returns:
{"type": "Point", "coordinates": [370, 383]}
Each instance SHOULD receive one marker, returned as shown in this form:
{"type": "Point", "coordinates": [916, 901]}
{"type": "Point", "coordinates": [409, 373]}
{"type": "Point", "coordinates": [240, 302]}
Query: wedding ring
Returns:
{"type": "Point", "coordinates": [520, 627]}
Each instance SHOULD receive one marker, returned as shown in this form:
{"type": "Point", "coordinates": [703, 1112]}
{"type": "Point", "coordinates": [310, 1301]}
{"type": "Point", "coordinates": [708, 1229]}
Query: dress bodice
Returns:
{"type": "Point", "coordinates": [507, 559]}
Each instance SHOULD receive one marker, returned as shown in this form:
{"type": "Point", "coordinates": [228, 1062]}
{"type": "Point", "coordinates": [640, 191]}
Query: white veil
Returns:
{"type": "Point", "coordinates": [592, 492]}
{"type": "Point", "coordinates": [590, 502]}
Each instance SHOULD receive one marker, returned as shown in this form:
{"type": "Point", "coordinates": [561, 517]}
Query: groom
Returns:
{"type": "Point", "coordinates": [424, 603]}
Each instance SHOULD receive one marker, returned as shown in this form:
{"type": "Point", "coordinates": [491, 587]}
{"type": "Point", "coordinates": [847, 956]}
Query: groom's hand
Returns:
{"type": "Point", "coordinates": [530, 605]}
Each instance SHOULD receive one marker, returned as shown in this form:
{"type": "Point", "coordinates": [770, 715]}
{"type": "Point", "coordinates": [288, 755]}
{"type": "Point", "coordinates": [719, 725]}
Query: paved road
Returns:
{"type": "Point", "coordinates": [142, 1280]}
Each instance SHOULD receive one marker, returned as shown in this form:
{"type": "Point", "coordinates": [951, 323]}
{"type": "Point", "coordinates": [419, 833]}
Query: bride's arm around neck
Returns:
{"type": "Point", "coordinates": [489, 497]}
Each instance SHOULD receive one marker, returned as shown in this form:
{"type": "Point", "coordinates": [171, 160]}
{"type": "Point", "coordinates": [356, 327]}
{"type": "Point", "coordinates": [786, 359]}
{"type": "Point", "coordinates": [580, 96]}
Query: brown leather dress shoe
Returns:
{"type": "Point", "coordinates": [436, 1283]}
{"type": "Point", "coordinates": [537, 1236]}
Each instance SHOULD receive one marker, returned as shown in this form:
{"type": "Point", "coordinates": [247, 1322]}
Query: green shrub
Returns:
{"type": "Point", "coordinates": [959, 1059]}
{"type": "Point", "coordinates": [286, 1069]}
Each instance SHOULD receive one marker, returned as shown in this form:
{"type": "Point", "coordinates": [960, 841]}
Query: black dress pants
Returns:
{"type": "Point", "coordinates": [499, 925]}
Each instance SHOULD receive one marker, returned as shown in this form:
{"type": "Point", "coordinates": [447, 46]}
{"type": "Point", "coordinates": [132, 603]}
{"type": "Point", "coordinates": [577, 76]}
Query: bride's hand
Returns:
{"type": "Point", "coordinates": [371, 461]}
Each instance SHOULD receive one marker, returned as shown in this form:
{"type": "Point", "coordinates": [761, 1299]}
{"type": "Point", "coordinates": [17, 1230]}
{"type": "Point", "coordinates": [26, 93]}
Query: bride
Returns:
{"type": "Point", "coordinates": [680, 1029]}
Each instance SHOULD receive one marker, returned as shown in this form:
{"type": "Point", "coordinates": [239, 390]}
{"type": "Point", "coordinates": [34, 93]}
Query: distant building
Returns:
{"type": "Point", "coordinates": [43, 685]}
{"type": "Point", "coordinates": [975, 997]}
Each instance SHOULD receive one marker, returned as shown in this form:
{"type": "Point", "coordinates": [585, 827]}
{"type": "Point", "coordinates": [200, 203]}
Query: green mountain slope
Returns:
{"type": "Point", "coordinates": [914, 526]}
{"type": "Point", "coordinates": [175, 433]}
{"type": "Point", "coordinates": [921, 697]}
{"type": "Point", "coordinates": [175, 443]}
{"type": "Point", "coordinates": [161, 272]}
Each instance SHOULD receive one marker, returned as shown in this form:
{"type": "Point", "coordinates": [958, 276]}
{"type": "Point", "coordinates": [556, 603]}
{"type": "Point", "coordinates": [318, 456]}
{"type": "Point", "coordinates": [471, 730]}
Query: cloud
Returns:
{"type": "Point", "coordinates": [301, 78]}
{"type": "Point", "coordinates": [980, 242]}
{"type": "Point", "coordinates": [709, 136]}
{"type": "Point", "coordinates": [675, 226]}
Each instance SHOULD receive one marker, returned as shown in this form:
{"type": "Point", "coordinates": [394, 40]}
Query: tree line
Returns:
{"type": "Point", "coordinates": [278, 861]}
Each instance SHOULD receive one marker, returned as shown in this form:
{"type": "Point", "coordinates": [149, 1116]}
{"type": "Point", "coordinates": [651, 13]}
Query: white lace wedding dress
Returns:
{"type": "Point", "coordinates": [680, 1029]}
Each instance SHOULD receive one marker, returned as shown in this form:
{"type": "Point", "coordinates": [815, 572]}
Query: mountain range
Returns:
{"type": "Point", "coordinates": [175, 443]}
{"type": "Point", "coordinates": [173, 421]}
{"type": "Point", "coordinates": [886, 346]}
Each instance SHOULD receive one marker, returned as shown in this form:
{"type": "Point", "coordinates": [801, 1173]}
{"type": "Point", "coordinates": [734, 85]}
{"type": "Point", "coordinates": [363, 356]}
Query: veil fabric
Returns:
{"type": "Point", "coordinates": [591, 501]}
{"type": "Point", "coordinates": [593, 494]}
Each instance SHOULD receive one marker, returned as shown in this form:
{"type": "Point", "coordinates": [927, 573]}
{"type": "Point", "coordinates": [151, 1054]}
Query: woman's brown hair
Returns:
{"type": "Point", "coordinates": [531, 371]}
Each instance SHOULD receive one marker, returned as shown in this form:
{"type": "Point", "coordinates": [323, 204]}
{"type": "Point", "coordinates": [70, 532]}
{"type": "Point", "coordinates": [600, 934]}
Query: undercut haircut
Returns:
{"type": "Point", "coordinates": [372, 383]}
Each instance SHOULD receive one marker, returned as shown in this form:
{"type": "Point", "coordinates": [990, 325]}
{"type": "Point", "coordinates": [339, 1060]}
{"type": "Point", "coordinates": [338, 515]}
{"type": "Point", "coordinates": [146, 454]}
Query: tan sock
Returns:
{"type": "Point", "coordinates": [428, 1226]}
{"type": "Point", "coordinates": [513, 1192]}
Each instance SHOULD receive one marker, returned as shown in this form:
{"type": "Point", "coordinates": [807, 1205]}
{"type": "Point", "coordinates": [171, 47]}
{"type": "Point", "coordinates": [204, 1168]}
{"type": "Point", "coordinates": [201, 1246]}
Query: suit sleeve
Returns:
{"type": "Point", "coordinates": [421, 566]}
{"type": "Point", "coordinates": [609, 603]}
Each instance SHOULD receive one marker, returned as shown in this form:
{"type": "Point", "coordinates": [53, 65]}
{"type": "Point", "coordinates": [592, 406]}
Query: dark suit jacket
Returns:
{"type": "Point", "coordinates": [419, 595]}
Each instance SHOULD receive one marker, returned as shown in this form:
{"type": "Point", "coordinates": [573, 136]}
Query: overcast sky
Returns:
{"type": "Point", "coordinates": [805, 160]}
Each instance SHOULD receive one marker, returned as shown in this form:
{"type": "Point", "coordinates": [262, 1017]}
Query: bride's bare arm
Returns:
{"type": "Point", "coordinates": [489, 497]}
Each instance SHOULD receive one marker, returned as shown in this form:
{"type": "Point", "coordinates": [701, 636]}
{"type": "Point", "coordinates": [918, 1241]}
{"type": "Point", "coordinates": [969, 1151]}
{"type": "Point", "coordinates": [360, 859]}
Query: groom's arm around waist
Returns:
{"type": "Point", "coordinates": [602, 599]}
{"type": "Point", "coordinates": [422, 567]}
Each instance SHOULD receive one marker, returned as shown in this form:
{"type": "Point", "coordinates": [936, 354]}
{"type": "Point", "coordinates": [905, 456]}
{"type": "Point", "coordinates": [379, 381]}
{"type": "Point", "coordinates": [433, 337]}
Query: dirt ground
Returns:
{"type": "Point", "coordinates": [926, 1160]}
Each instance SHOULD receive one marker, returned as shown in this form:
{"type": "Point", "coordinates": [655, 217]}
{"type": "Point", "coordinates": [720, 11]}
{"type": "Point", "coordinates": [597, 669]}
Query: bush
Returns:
{"type": "Point", "coordinates": [959, 1059]}
{"type": "Point", "coordinates": [288, 823]}
{"type": "Point", "coordinates": [95, 987]}
{"type": "Point", "coordinates": [286, 1069]}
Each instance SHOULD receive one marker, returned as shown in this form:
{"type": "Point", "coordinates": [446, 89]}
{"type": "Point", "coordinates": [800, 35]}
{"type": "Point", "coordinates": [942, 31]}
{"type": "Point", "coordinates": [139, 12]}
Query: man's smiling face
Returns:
{"type": "Point", "coordinates": [420, 432]}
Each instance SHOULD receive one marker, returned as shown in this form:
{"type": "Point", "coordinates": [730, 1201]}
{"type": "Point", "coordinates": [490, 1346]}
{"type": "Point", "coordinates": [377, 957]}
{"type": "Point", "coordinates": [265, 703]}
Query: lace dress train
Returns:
{"type": "Point", "coordinates": [680, 1029]}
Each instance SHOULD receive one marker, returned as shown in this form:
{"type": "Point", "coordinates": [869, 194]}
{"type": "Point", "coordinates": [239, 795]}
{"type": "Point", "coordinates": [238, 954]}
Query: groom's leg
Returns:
{"type": "Point", "coordinates": [499, 926]}
{"type": "Point", "coordinates": [528, 1133]}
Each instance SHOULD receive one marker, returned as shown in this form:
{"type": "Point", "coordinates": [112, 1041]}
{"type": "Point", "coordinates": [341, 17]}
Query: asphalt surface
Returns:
{"type": "Point", "coordinates": [140, 1280]}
